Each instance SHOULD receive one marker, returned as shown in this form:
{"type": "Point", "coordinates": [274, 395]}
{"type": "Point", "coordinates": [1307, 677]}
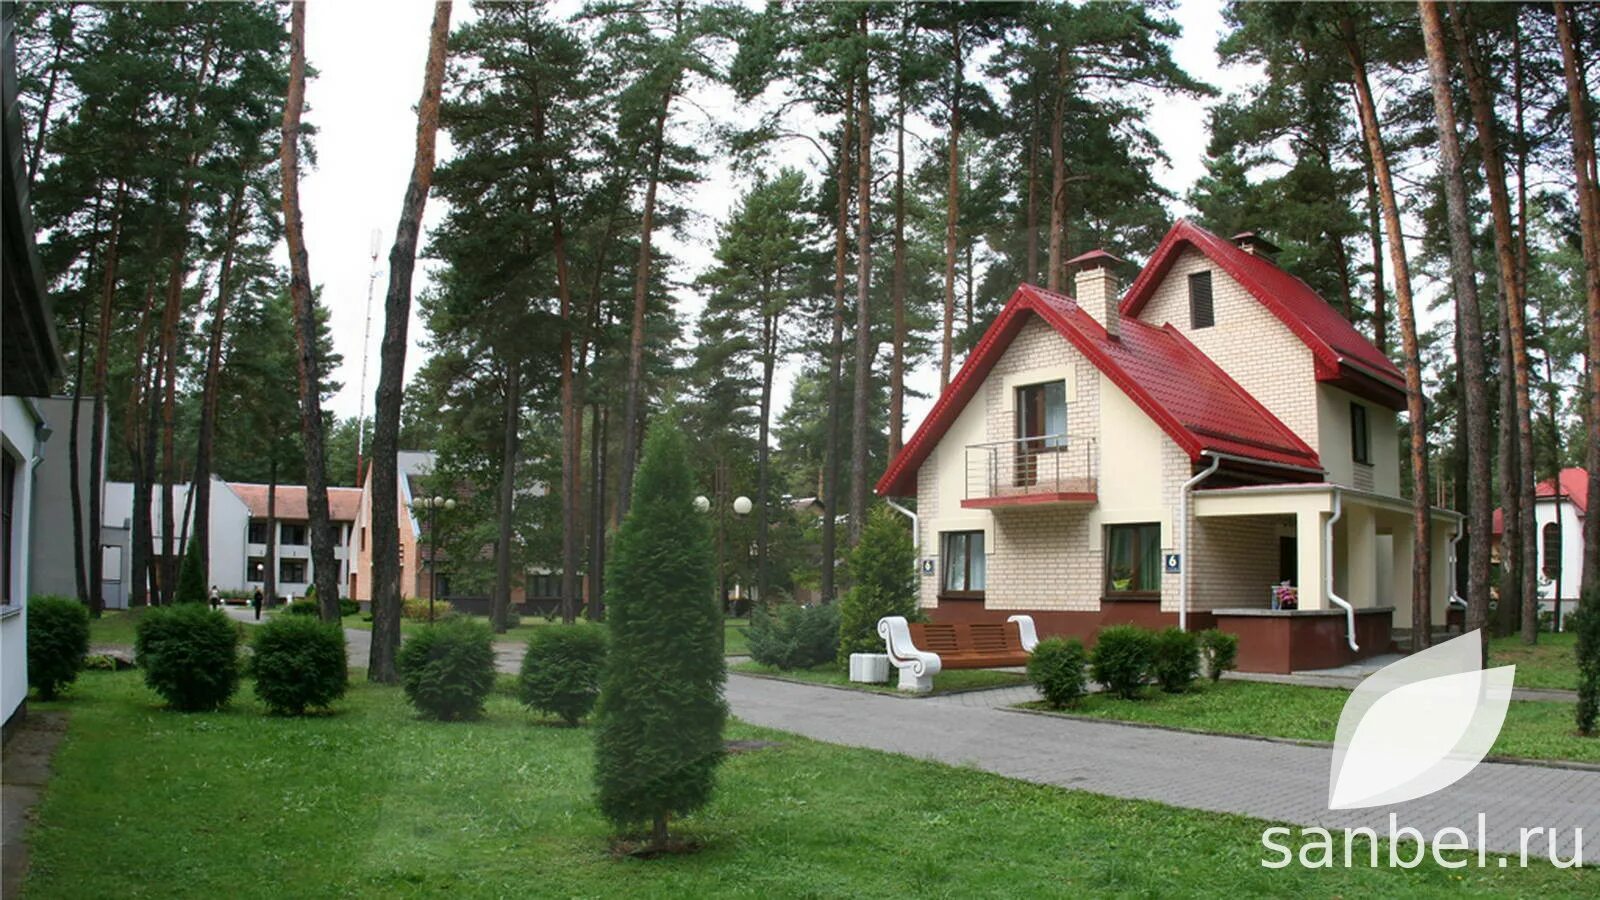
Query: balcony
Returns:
{"type": "Point", "coordinates": [1050, 470]}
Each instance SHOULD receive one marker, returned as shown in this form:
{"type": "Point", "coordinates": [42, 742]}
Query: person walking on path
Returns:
{"type": "Point", "coordinates": [216, 599]}
{"type": "Point", "coordinates": [255, 601]}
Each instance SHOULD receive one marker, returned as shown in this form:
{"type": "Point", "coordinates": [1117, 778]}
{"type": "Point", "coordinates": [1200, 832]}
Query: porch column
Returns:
{"type": "Point", "coordinates": [1309, 570]}
{"type": "Point", "coordinates": [1439, 570]}
{"type": "Point", "coordinates": [1361, 556]}
{"type": "Point", "coordinates": [1405, 542]}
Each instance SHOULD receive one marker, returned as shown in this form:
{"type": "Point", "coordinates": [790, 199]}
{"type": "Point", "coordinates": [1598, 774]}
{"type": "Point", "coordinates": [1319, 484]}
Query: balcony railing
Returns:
{"type": "Point", "coordinates": [1053, 468]}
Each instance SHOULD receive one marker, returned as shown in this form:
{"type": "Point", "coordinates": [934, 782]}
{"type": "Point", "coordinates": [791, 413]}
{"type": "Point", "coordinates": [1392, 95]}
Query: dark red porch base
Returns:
{"type": "Point", "coordinates": [1278, 643]}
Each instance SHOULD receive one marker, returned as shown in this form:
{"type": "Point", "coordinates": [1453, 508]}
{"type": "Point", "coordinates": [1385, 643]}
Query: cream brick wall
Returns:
{"type": "Point", "coordinates": [1234, 561]}
{"type": "Point", "coordinates": [1043, 560]}
{"type": "Point", "coordinates": [1247, 341]}
{"type": "Point", "coordinates": [1036, 355]}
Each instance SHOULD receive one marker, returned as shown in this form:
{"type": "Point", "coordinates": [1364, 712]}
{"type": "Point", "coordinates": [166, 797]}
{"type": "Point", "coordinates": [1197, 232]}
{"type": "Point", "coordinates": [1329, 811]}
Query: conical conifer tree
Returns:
{"type": "Point", "coordinates": [661, 711]}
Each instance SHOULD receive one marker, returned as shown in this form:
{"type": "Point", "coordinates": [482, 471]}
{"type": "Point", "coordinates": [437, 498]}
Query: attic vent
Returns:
{"type": "Point", "coordinates": [1201, 313]}
{"type": "Point", "coordinates": [1255, 245]}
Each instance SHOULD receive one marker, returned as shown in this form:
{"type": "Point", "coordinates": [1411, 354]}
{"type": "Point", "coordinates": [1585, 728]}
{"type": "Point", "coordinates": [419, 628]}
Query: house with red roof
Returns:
{"type": "Point", "coordinates": [1560, 505]}
{"type": "Point", "coordinates": [1202, 450]}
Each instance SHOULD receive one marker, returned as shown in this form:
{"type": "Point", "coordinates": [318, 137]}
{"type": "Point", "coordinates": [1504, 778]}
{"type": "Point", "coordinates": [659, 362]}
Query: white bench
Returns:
{"type": "Point", "coordinates": [971, 646]}
{"type": "Point", "coordinates": [917, 667]}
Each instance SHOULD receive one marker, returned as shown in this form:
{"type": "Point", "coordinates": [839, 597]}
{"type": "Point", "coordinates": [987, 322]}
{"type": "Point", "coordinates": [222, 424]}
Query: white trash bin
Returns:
{"type": "Point", "coordinates": [869, 668]}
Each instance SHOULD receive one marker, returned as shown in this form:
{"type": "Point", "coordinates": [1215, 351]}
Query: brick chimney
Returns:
{"type": "Point", "coordinates": [1095, 287]}
{"type": "Point", "coordinates": [1256, 245]}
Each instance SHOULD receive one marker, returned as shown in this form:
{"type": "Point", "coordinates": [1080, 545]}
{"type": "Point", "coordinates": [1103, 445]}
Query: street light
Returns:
{"type": "Point", "coordinates": [433, 505]}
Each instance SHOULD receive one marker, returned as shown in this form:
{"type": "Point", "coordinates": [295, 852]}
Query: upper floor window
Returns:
{"type": "Point", "coordinates": [965, 566]}
{"type": "Point", "coordinates": [1201, 312]}
{"type": "Point", "coordinates": [1360, 434]}
{"type": "Point", "coordinates": [258, 532]}
{"type": "Point", "coordinates": [1042, 413]}
{"type": "Point", "coordinates": [292, 534]}
{"type": "Point", "coordinates": [292, 571]}
{"type": "Point", "coordinates": [8, 499]}
{"type": "Point", "coordinates": [1552, 550]}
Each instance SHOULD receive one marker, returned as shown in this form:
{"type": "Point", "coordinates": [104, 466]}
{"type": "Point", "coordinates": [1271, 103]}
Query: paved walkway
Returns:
{"type": "Point", "coordinates": [24, 771]}
{"type": "Point", "coordinates": [1267, 780]}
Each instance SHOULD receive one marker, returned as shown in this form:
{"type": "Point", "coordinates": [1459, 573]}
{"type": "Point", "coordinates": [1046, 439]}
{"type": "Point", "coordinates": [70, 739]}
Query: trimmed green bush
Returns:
{"type": "Point", "coordinates": [58, 640]}
{"type": "Point", "coordinates": [1586, 622]}
{"type": "Point", "coordinates": [795, 637]}
{"type": "Point", "coordinates": [307, 608]}
{"type": "Point", "coordinates": [190, 655]}
{"type": "Point", "coordinates": [415, 609]}
{"type": "Point", "coordinates": [1122, 659]}
{"type": "Point", "coordinates": [883, 569]}
{"type": "Point", "coordinates": [561, 671]}
{"type": "Point", "coordinates": [1220, 650]}
{"type": "Point", "coordinates": [1175, 659]}
{"type": "Point", "coordinates": [448, 670]}
{"type": "Point", "coordinates": [659, 721]}
{"type": "Point", "coordinates": [1056, 668]}
{"type": "Point", "coordinates": [348, 607]}
{"type": "Point", "coordinates": [298, 664]}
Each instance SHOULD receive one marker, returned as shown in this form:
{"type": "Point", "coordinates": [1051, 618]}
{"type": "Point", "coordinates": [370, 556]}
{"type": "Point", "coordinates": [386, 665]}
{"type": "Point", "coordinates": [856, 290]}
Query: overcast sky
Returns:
{"type": "Point", "coordinates": [369, 56]}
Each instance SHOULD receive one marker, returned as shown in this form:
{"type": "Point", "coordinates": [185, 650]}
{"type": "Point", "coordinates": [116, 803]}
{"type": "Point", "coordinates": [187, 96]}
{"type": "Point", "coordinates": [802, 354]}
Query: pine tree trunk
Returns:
{"type": "Point", "coordinates": [769, 359]}
{"type": "Point", "coordinates": [324, 567]}
{"type": "Point", "coordinates": [391, 372]}
{"type": "Point", "coordinates": [140, 443]}
{"type": "Point", "coordinates": [632, 413]}
{"type": "Point", "coordinates": [1032, 224]}
{"type": "Point", "coordinates": [1416, 411]}
{"type": "Point", "coordinates": [830, 476]}
{"type": "Point", "coordinates": [952, 212]}
{"type": "Point", "coordinates": [1058, 176]}
{"type": "Point", "coordinates": [1508, 613]}
{"type": "Point", "coordinates": [74, 464]}
{"type": "Point", "coordinates": [1474, 368]}
{"type": "Point", "coordinates": [511, 416]}
{"type": "Point", "coordinates": [864, 342]}
{"type": "Point", "coordinates": [269, 578]}
{"type": "Point", "coordinates": [1380, 313]}
{"type": "Point", "coordinates": [97, 428]}
{"type": "Point", "coordinates": [897, 291]}
{"type": "Point", "coordinates": [36, 151]}
{"type": "Point", "coordinates": [1583, 158]}
{"type": "Point", "coordinates": [208, 394]}
{"type": "Point", "coordinates": [599, 425]}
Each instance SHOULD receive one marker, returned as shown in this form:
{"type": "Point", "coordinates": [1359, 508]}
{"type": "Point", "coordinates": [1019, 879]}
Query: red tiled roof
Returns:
{"type": "Point", "coordinates": [1574, 487]}
{"type": "Point", "coordinates": [291, 501]}
{"type": "Point", "coordinates": [1333, 341]}
{"type": "Point", "coordinates": [1176, 385]}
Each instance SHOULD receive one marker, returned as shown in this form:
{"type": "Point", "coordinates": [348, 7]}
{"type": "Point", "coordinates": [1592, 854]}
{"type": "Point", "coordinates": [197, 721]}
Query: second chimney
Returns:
{"type": "Point", "coordinates": [1095, 288]}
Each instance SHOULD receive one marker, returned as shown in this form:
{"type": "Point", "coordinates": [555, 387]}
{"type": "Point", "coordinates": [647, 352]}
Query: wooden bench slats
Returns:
{"type": "Point", "coordinates": [971, 645]}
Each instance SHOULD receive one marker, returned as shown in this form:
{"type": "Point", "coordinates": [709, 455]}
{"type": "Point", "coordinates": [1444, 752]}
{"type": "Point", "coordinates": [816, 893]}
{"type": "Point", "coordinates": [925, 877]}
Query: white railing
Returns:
{"type": "Point", "coordinates": [1047, 464]}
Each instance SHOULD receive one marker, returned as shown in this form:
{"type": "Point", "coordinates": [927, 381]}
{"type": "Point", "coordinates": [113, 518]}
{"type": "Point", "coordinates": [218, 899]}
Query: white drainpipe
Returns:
{"type": "Point", "coordinates": [1456, 599]}
{"type": "Point", "coordinates": [1183, 538]}
{"type": "Point", "coordinates": [1327, 572]}
{"type": "Point", "coordinates": [916, 532]}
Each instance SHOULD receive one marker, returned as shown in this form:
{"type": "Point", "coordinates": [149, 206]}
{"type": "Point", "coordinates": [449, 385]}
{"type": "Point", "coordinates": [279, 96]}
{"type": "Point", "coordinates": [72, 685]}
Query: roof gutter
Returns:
{"type": "Point", "coordinates": [1327, 571]}
{"type": "Point", "coordinates": [1183, 536]}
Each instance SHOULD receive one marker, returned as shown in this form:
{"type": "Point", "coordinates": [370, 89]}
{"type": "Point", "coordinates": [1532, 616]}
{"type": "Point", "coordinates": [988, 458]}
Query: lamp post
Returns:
{"type": "Point", "coordinates": [432, 505]}
{"type": "Point", "coordinates": [741, 507]}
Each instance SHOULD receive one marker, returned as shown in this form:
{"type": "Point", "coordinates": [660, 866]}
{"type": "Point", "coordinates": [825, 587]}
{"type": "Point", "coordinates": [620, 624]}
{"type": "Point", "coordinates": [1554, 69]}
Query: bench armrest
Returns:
{"type": "Point", "coordinates": [896, 634]}
{"type": "Point", "coordinates": [1030, 636]}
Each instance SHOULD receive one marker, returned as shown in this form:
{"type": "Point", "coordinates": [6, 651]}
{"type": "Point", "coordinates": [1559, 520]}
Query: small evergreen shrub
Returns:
{"type": "Point", "coordinates": [1056, 668]}
{"type": "Point", "coordinates": [191, 587]}
{"type": "Point", "coordinates": [298, 663]}
{"type": "Point", "coordinates": [1221, 651]}
{"type": "Point", "coordinates": [1122, 659]}
{"type": "Point", "coordinates": [416, 609]}
{"type": "Point", "coordinates": [448, 670]}
{"type": "Point", "coordinates": [795, 637]}
{"type": "Point", "coordinates": [58, 640]}
{"type": "Point", "coordinates": [348, 607]}
{"type": "Point", "coordinates": [190, 655]}
{"type": "Point", "coordinates": [304, 608]}
{"type": "Point", "coordinates": [1586, 622]}
{"type": "Point", "coordinates": [883, 569]}
{"type": "Point", "coordinates": [561, 671]}
{"type": "Point", "coordinates": [1175, 659]}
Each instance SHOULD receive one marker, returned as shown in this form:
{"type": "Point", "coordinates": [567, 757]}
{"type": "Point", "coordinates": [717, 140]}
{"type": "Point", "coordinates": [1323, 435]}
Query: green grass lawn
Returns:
{"type": "Point", "coordinates": [1533, 730]}
{"type": "Point", "coordinates": [517, 634]}
{"type": "Point", "coordinates": [736, 637]}
{"type": "Point", "coordinates": [1551, 663]}
{"type": "Point", "coordinates": [372, 802]}
{"type": "Point", "coordinates": [832, 673]}
{"type": "Point", "coordinates": [115, 626]}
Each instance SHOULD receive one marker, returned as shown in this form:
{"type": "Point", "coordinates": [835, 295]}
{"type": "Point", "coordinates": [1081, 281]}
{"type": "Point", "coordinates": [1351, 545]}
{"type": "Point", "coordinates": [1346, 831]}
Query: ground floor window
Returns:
{"type": "Point", "coordinates": [292, 571]}
{"type": "Point", "coordinates": [256, 569]}
{"type": "Point", "coordinates": [1133, 560]}
{"type": "Point", "coordinates": [964, 563]}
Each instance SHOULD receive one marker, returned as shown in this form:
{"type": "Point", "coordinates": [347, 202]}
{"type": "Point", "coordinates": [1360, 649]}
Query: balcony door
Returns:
{"type": "Point", "coordinates": [1041, 427]}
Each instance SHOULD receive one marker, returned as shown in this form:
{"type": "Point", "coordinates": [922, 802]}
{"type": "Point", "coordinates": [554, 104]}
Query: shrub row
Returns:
{"type": "Point", "coordinates": [1125, 658]}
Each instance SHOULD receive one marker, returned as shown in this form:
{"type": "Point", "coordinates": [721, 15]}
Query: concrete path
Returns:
{"type": "Point", "coordinates": [1268, 780]}
{"type": "Point", "coordinates": [24, 771]}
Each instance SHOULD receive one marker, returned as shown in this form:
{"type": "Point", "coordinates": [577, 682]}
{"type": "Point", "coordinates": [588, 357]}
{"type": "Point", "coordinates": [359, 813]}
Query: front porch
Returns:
{"type": "Point", "coordinates": [1369, 560]}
